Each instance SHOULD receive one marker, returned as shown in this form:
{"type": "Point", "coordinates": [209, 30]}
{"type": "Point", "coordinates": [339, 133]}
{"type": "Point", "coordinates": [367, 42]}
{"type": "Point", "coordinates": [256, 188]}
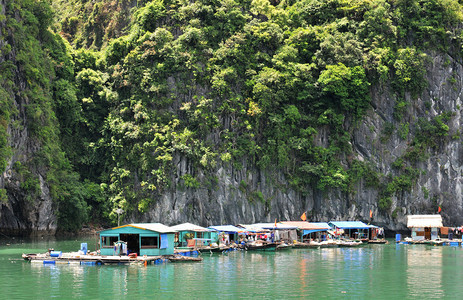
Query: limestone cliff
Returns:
{"type": "Point", "coordinates": [414, 178]}
{"type": "Point", "coordinates": [252, 195]}
{"type": "Point", "coordinates": [22, 214]}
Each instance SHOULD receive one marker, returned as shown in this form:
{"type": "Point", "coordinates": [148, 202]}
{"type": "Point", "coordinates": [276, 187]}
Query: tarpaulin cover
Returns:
{"type": "Point", "coordinates": [349, 224]}
{"type": "Point", "coordinates": [226, 228]}
{"type": "Point", "coordinates": [164, 241]}
{"type": "Point", "coordinates": [313, 230]}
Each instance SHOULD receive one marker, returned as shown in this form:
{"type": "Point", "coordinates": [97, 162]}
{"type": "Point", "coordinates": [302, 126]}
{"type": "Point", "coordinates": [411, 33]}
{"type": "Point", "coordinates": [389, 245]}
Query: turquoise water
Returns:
{"type": "Point", "coordinates": [372, 271]}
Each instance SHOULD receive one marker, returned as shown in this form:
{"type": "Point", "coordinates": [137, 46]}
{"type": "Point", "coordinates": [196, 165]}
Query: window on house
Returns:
{"type": "Point", "coordinates": [108, 241]}
{"type": "Point", "coordinates": [150, 242]}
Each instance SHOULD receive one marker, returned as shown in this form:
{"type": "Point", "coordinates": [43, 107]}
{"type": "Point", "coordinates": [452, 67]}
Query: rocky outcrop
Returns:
{"type": "Point", "coordinates": [246, 194]}
{"type": "Point", "coordinates": [249, 194]}
{"type": "Point", "coordinates": [22, 215]}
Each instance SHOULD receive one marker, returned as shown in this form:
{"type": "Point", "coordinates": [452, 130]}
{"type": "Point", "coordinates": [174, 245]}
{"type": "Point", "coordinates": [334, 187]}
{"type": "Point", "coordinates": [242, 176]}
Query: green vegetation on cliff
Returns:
{"type": "Point", "coordinates": [216, 82]}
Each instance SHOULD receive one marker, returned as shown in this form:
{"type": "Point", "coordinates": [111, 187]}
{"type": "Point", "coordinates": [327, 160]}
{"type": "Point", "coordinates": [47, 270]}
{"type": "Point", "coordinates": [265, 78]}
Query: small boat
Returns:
{"type": "Point", "coordinates": [301, 245]}
{"type": "Point", "coordinates": [261, 246]}
{"type": "Point", "coordinates": [378, 241]}
{"type": "Point", "coordinates": [313, 244]}
{"type": "Point", "coordinates": [421, 242]}
{"type": "Point", "coordinates": [342, 243]}
{"type": "Point", "coordinates": [438, 242]}
{"type": "Point", "coordinates": [216, 249]}
{"type": "Point", "coordinates": [283, 246]}
{"type": "Point", "coordinates": [181, 258]}
{"type": "Point", "coordinates": [328, 244]}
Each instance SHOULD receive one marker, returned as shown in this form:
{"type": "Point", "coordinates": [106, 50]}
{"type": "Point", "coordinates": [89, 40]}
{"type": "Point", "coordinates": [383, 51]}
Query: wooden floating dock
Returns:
{"type": "Point", "coordinates": [182, 258]}
{"type": "Point", "coordinates": [72, 258]}
{"type": "Point", "coordinates": [453, 243]}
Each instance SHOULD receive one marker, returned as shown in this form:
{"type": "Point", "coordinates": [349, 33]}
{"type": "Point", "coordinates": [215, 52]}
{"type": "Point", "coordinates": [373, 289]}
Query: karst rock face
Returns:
{"type": "Point", "coordinates": [250, 194]}
{"type": "Point", "coordinates": [229, 201]}
{"type": "Point", "coordinates": [22, 215]}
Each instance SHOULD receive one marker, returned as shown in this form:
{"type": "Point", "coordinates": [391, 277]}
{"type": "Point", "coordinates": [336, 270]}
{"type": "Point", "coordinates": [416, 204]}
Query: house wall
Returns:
{"type": "Point", "coordinates": [142, 233]}
{"type": "Point", "coordinates": [418, 234]}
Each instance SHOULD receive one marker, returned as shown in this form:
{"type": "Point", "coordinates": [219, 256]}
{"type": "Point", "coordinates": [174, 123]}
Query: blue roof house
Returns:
{"type": "Point", "coordinates": [351, 229]}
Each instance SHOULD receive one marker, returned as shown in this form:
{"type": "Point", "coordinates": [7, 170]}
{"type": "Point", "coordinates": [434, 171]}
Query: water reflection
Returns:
{"type": "Point", "coordinates": [372, 271]}
{"type": "Point", "coordinates": [424, 271]}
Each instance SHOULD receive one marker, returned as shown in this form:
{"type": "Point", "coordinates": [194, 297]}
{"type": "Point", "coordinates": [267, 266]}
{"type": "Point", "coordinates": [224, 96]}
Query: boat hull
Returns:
{"type": "Point", "coordinates": [262, 247]}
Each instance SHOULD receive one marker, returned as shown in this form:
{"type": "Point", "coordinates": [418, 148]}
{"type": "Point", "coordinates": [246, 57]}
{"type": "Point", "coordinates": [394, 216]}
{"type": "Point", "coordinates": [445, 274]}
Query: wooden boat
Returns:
{"type": "Point", "coordinates": [349, 243]}
{"type": "Point", "coordinates": [378, 241]}
{"type": "Point", "coordinates": [313, 244]}
{"type": "Point", "coordinates": [328, 244]}
{"type": "Point", "coordinates": [216, 249]}
{"type": "Point", "coordinates": [422, 242]}
{"type": "Point", "coordinates": [261, 246]}
{"type": "Point", "coordinates": [438, 242]}
{"type": "Point", "coordinates": [301, 245]}
{"type": "Point", "coordinates": [283, 246]}
{"type": "Point", "coordinates": [181, 258]}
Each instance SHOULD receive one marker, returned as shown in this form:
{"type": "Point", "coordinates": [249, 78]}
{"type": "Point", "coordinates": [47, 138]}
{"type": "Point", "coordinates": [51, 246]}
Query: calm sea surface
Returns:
{"type": "Point", "coordinates": [372, 271]}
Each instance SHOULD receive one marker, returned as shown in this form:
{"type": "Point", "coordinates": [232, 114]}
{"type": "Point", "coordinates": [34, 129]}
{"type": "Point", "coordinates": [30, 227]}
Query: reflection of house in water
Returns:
{"type": "Point", "coordinates": [424, 272]}
{"type": "Point", "coordinates": [424, 227]}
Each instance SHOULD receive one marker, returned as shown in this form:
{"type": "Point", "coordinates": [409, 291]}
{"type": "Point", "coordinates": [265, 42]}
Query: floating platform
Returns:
{"type": "Point", "coordinates": [452, 243]}
{"type": "Point", "coordinates": [187, 252]}
{"type": "Point", "coordinates": [182, 258]}
{"type": "Point", "coordinates": [92, 260]}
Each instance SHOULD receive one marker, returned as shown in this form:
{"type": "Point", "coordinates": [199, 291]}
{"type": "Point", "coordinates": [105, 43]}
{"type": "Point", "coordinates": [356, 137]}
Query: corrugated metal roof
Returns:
{"type": "Point", "coordinates": [226, 228]}
{"type": "Point", "coordinates": [349, 224]}
{"type": "Point", "coordinates": [189, 227]}
{"type": "Point", "coordinates": [158, 227]}
{"type": "Point", "coordinates": [251, 228]}
{"type": "Point", "coordinates": [279, 226]}
{"type": "Point", "coordinates": [303, 225]}
{"type": "Point", "coordinates": [313, 230]}
{"type": "Point", "coordinates": [321, 225]}
{"type": "Point", "coordinates": [424, 221]}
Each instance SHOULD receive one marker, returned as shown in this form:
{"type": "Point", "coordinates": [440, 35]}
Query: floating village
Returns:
{"type": "Point", "coordinates": [154, 243]}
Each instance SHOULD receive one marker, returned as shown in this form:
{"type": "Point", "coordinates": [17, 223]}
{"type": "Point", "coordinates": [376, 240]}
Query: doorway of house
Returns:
{"type": "Point", "coordinates": [133, 242]}
{"type": "Point", "coordinates": [427, 233]}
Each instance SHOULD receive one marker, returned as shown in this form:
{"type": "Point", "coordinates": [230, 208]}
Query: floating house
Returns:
{"type": "Point", "coordinates": [281, 231]}
{"type": "Point", "coordinates": [351, 229]}
{"type": "Point", "coordinates": [141, 238]}
{"type": "Point", "coordinates": [424, 227]}
{"type": "Point", "coordinates": [310, 230]}
{"type": "Point", "coordinates": [251, 229]}
{"type": "Point", "coordinates": [191, 235]}
{"type": "Point", "coordinates": [224, 233]}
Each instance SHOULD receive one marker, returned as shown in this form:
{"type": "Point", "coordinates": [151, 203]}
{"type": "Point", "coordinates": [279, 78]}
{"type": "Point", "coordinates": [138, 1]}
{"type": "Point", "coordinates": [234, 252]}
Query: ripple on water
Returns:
{"type": "Point", "coordinates": [382, 271]}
